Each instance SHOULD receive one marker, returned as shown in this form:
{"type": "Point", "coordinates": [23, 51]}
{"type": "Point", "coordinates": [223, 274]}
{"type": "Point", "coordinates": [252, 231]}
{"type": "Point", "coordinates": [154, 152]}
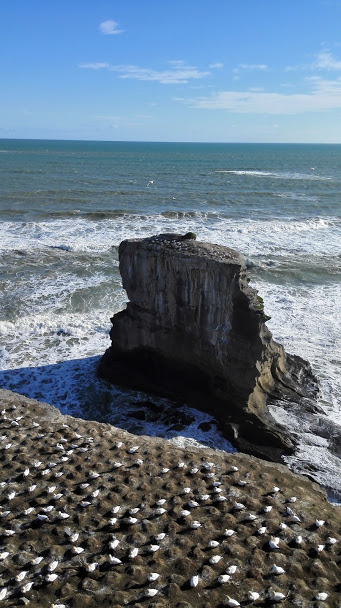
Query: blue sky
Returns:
{"type": "Point", "coordinates": [186, 70]}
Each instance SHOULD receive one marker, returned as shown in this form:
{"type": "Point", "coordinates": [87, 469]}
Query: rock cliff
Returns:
{"type": "Point", "coordinates": [194, 330]}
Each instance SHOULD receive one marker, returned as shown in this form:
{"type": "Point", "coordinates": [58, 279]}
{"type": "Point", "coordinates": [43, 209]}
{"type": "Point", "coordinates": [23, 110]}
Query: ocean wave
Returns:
{"type": "Point", "coordinates": [277, 174]}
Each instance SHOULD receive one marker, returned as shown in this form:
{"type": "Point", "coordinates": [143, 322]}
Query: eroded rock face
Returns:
{"type": "Point", "coordinates": [195, 330]}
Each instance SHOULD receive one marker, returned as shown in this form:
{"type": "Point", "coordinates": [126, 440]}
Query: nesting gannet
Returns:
{"type": "Point", "coordinates": [131, 520]}
{"type": "Point", "coordinates": [52, 565]}
{"type": "Point", "coordinates": [274, 542]}
{"type": "Point", "coordinates": [321, 596]}
{"type": "Point", "coordinates": [253, 596]}
{"type": "Point", "coordinates": [195, 524]}
{"type": "Point", "coordinates": [292, 499]}
{"type": "Point", "coordinates": [298, 540]}
{"type": "Point", "coordinates": [27, 587]}
{"type": "Point", "coordinates": [231, 569]}
{"type": "Point", "coordinates": [134, 511]}
{"type": "Point", "coordinates": [74, 537]}
{"type": "Point", "coordinates": [153, 548]}
{"type": "Point", "coordinates": [4, 555]}
{"type": "Point", "coordinates": [229, 601]}
{"type": "Point", "coordinates": [186, 490]}
{"type": "Point", "coordinates": [204, 497]}
{"type": "Point", "coordinates": [229, 532]}
{"type": "Point", "coordinates": [185, 513]}
{"type": "Point", "coordinates": [276, 596]}
{"type": "Point", "coordinates": [212, 544]}
{"type": "Point", "coordinates": [36, 561]}
{"type": "Point", "coordinates": [194, 470]}
{"type": "Point", "coordinates": [160, 511]}
{"type": "Point", "coordinates": [331, 541]}
{"type": "Point", "coordinates": [262, 530]}
{"type": "Point", "coordinates": [194, 581]}
{"type": "Point", "coordinates": [114, 560]}
{"type": "Point", "coordinates": [160, 536]}
{"type": "Point", "coordinates": [133, 552]}
{"type": "Point", "coordinates": [50, 578]}
{"type": "Point", "coordinates": [215, 559]}
{"type": "Point", "coordinates": [160, 502]}
{"type": "Point", "coordinates": [151, 181]}
{"type": "Point", "coordinates": [223, 578]}
{"type": "Point", "coordinates": [239, 506]}
{"type": "Point", "coordinates": [193, 503]}
{"type": "Point", "coordinates": [282, 526]}
{"type": "Point", "coordinates": [152, 576]}
{"type": "Point", "coordinates": [151, 592]}
{"type": "Point", "coordinates": [3, 593]}
{"type": "Point", "coordinates": [20, 577]}
{"type": "Point", "coordinates": [91, 567]}
{"type": "Point", "coordinates": [277, 569]}
{"type": "Point", "coordinates": [319, 523]}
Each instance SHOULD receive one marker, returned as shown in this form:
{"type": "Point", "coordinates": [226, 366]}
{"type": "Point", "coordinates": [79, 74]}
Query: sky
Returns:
{"type": "Point", "coordinates": [185, 70]}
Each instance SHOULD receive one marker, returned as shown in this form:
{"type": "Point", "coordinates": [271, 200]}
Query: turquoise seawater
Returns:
{"type": "Point", "coordinates": [64, 208]}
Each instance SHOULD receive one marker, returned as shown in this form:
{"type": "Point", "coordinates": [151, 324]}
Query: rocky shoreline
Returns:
{"type": "Point", "coordinates": [92, 515]}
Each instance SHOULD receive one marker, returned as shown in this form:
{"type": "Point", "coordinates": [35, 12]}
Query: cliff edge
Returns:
{"type": "Point", "coordinates": [194, 330]}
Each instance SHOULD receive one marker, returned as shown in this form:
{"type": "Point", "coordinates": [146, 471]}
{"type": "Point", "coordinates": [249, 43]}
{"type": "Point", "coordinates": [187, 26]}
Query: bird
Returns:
{"type": "Point", "coordinates": [276, 596]}
{"type": "Point", "coordinates": [239, 506]}
{"type": "Point", "coordinates": [231, 569]}
{"type": "Point", "coordinates": [194, 581]}
{"type": "Point", "coordinates": [262, 530]}
{"type": "Point", "coordinates": [223, 578]}
{"type": "Point", "coordinates": [91, 567]}
{"type": "Point", "coordinates": [331, 541]}
{"type": "Point", "coordinates": [195, 524]}
{"type": "Point", "coordinates": [151, 592]}
{"type": "Point", "coordinates": [229, 532]}
{"type": "Point", "coordinates": [253, 596]}
{"type": "Point", "coordinates": [133, 552]}
{"type": "Point", "coordinates": [77, 550]}
{"type": "Point", "coordinates": [50, 578]}
{"type": "Point", "coordinates": [277, 569]}
{"type": "Point", "coordinates": [153, 548]}
{"type": "Point", "coordinates": [322, 596]}
{"type": "Point", "coordinates": [319, 523]}
{"type": "Point", "coordinates": [274, 542]}
{"type": "Point", "coordinates": [152, 576]}
{"type": "Point", "coordinates": [52, 565]}
{"type": "Point", "coordinates": [3, 593]}
{"type": "Point", "coordinates": [187, 490]}
{"type": "Point", "coordinates": [4, 555]}
{"type": "Point", "coordinates": [27, 587]}
{"type": "Point", "coordinates": [160, 511]}
{"type": "Point", "coordinates": [213, 544]}
{"type": "Point", "coordinates": [229, 601]}
{"type": "Point", "coordinates": [20, 577]}
{"type": "Point", "coordinates": [151, 181]}
{"type": "Point", "coordinates": [282, 526]}
{"type": "Point", "coordinates": [215, 559]}
{"type": "Point", "coordinates": [114, 560]}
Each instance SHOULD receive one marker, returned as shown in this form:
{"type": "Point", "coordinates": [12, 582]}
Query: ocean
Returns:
{"type": "Point", "coordinates": [65, 206]}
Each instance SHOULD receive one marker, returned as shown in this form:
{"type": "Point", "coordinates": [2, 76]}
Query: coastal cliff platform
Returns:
{"type": "Point", "coordinates": [94, 516]}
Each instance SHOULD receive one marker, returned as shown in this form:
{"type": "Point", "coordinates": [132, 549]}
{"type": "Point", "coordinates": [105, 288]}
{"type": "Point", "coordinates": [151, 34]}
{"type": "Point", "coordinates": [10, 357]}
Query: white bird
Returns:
{"type": "Point", "coordinates": [4, 513]}
{"type": "Point", "coordinates": [27, 587]}
{"type": "Point", "coordinates": [192, 504]}
{"type": "Point", "coordinates": [42, 517]}
{"type": "Point", "coordinates": [234, 469]}
{"type": "Point", "coordinates": [164, 470]}
{"type": "Point", "coordinates": [114, 543]}
{"type": "Point", "coordinates": [321, 596]}
{"type": "Point", "coordinates": [185, 513]}
{"type": "Point", "coordinates": [160, 511]}
{"type": "Point", "coordinates": [91, 567]}
{"type": "Point", "coordinates": [319, 548]}
{"type": "Point", "coordinates": [274, 542]}
{"type": "Point", "coordinates": [37, 560]}
{"type": "Point", "coordinates": [63, 515]}
{"type": "Point", "coordinates": [134, 511]}
{"type": "Point", "coordinates": [267, 509]}
{"type": "Point", "coordinates": [161, 502]}
{"type": "Point", "coordinates": [114, 560]}
{"type": "Point", "coordinates": [275, 489]}
{"type": "Point", "coordinates": [253, 596]}
{"type": "Point", "coordinates": [262, 530]}
{"type": "Point", "coordinates": [187, 490]}
{"type": "Point", "coordinates": [95, 493]}
{"type": "Point", "coordinates": [292, 499]}
{"type": "Point", "coordinates": [160, 536]}
{"type": "Point", "coordinates": [215, 559]}
{"type": "Point", "coordinates": [74, 537]}
{"type": "Point", "coordinates": [194, 470]}
{"type": "Point", "coordinates": [331, 541]}
{"type": "Point", "coordinates": [52, 565]}
{"type": "Point", "coordinates": [151, 592]}
{"type": "Point", "coordinates": [229, 532]}
{"type": "Point", "coordinates": [213, 544]}
{"type": "Point", "coordinates": [77, 550]}
{"type": "Point", "coordinates": [119, 444]}
{"type": "Point", "coordinates": [133, 552]}
{"type": "Point", "coordinates": [242, 482]}
{"type": "Point", "coordinates": [153, 548]}
{"type": "Point", "coordinates": [231, 569]}
{"type": "Point", "coordinates": [131, 520]}
{"type": "Point", "coordinates": [50, 578]}
{"type": "Point", "coordinates": [229, 601]}
{"type": "Point", "coordinates": [239, 506]}
{"type": "Point", "coordinates": [112, 521]}
{"type": "Point", "coordinates": [152, 576]}
{"type": "Point", "coordinates": [223, 578]}
{"type": "Point", "coordinates": [319, 523]}
{"type": "Point", "coordinates": [181, 464]}
{"type": "Point", "coordinates": [194, 581]}
{"type": "Point", "coordinates": [251, 517]}
{"type": "Point", "coordinates": [20, 577]}
{"type": "Point", "coordinates": [221, 498]}
{"type": "Point", "coordinates": [282, 526]}
{"type": "Point", "coordinates": [298, 540]}
{"type": "Point", "coordinates": [277, 569]}
{"type": "Point", "coordinates": [85, 503]}
{"type": "Point", "coordinates": [115, 509]}
{"type": "Point", "coordinates": [276, 596]}
{"type": "Point", "coordinates": [204, 497]}
{"type": "Point", "coordinates": [151, 181]}
{"type": "Point", "coordinates": [134, 449]}
{"type": "Point", "coordinates": [195, 525]}
{"type": "Point", "coordinates": [4, 555]}
{"type": "Point", "coordinates": [3, 593]}
{"type": "Point", "coordinates": [29, 511]}
{"type": "Point", "coordinates": [51, 489]}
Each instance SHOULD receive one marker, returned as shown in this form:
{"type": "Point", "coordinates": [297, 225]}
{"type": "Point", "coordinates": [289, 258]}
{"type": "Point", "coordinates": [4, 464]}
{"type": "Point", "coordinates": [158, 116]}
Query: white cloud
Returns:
{"type": "Point", "coordinates": [179, 73]}
{"type": "Point", "coordinates": [325, 95]}
{"type": "Point", "coordinates": [326, 61]}
{"type": "Point", "coordinates": [94, 66]}
{"type": "Point", "coordinates": [109, 27]}
{"type": "Point", "coordinates": [216, 66]}
{"type": "Point", "coordinates": [250, 66]}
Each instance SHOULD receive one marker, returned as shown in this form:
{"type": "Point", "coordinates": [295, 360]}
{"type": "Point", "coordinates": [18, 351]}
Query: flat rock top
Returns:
{"type": "Point", "coordinates": [177, 243]}
{"type": "Point", "coordinates": [94, 516]}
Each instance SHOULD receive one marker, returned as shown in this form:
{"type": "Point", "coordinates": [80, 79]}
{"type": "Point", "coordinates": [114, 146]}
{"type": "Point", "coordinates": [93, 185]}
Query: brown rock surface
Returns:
{"type": "Point", "coordinates": [87, 479]}
{"type": "Point", "coordinates": [195, 330]}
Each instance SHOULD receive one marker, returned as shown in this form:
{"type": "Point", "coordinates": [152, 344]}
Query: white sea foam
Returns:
{"type": "Point", "coordinates": [278, 174]}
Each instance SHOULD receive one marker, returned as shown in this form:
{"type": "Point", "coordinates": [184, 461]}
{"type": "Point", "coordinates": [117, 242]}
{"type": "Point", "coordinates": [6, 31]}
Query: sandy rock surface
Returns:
{"type": "Point", "coordinates": [93, 516]}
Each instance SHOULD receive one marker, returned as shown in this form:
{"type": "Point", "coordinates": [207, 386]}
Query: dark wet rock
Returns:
{"type": "Point", "coordinates": [194, 330]}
